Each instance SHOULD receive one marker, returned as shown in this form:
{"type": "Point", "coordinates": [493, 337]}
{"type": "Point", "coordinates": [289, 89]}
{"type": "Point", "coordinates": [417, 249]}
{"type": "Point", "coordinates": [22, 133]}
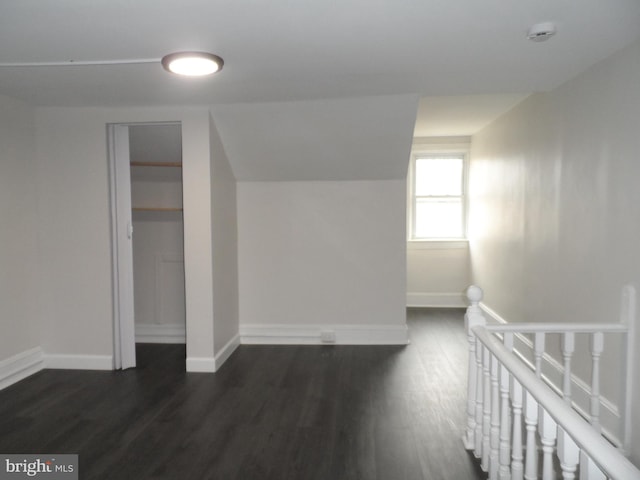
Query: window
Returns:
{"type": "Point", "coordinates": [437, 200]}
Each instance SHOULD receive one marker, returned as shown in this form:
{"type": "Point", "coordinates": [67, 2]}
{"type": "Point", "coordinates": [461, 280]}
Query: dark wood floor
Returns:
{"type": "Point", "coordinates": [271, 412]}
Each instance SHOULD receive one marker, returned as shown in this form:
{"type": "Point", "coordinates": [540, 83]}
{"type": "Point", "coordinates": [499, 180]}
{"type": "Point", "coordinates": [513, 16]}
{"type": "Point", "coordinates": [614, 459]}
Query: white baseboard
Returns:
{"type": "Point", "coordinates": [78, 362]}
{"type": "Point", "coordinates": [313, 334]}
{"type": "Point", "coordinates": [201, 364]}
{"type": "Point", "coordinates": [227, 350]}
{"type": "Point", "coordinates": [153, 333]}
{"type": "Point", "coordinates": [415, 299]}
{"type": "Point", "coordinates": [213, 364]}
{"type": "Point", "coordinates": [552, 369]}
{"type": "Point", "coordinates": [20, 366]}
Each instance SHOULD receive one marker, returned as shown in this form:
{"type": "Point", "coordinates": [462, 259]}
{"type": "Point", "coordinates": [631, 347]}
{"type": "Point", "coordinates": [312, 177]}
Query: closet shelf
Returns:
{"type": "Point", "coordinates": [157, 209]}
{"type": "Point", "coordinates": [157, 164]}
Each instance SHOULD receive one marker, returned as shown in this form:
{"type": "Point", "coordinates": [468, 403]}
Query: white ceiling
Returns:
{"type": "Point", "coordinates": [283, 50]}
{"type": "Point", "coordinates": [312, 89]}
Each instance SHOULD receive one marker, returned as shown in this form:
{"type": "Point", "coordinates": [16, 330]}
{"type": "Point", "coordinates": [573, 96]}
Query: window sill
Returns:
{"type": "Point", "coordinates": [440, 244]}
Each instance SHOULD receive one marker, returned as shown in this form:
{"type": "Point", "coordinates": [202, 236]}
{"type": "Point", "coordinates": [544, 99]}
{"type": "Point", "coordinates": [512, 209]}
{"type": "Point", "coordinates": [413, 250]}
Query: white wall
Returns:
{"type": "Point", "coordinates": [18, 234]}
{"type": "Point", "coordinates": [322, 253]}
{"type": "Point", "coordinates": [437, 274]}
{"type": "Point", "coordinates": [224, 250]}
{"type": "Point", "coordinates": [555, 205]}
{"type": "Point", "coordinates": [321, 216]}
{"type": "Point", "coordinates": [73, 231]}
{"type": "Point", "coordinates": [74, 227]}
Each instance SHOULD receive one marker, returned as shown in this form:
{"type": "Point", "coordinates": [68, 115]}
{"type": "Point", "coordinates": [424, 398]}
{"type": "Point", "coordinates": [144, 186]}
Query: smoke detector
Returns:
{"type": "Point", "coordinates": [541, 32]}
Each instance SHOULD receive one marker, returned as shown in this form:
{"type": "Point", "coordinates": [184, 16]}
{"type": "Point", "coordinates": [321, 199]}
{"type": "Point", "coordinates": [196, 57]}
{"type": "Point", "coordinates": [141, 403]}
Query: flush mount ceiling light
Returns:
{"type": "Point", "coordinates": [182, 63]}
{"type": "Point", "coordinates": [541, 32]}
{"type": "Point", "coordinates": [193, 64]}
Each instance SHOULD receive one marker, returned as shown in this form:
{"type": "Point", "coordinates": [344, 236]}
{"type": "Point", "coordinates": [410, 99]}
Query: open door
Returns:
{"type": "Point", "coordinates": [122, 247]}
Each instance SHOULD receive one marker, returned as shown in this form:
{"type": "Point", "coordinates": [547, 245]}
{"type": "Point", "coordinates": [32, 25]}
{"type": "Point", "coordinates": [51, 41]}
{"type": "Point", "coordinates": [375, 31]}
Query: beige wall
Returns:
{"type": "Point", "coordinates": [18, 234]}
{"type": "Point", "coordinates": [555, 204]}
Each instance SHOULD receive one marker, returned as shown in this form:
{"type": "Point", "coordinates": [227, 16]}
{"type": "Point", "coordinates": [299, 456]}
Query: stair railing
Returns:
{"type": "Point", "coordinates": [517, 423]}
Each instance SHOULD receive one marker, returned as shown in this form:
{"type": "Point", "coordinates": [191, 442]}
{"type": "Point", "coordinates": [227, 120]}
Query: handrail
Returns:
{"type": "Point", "coordinates": [607, 457]}
{"type": "Point", "coordinates": [559, 327]}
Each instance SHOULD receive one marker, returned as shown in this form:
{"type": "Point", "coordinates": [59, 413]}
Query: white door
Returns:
{"type": "Point", "coordinates": [122, 247]}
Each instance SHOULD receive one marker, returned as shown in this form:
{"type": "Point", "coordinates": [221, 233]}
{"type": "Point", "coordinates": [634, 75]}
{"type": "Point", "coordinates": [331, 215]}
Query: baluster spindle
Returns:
{"type": "Point", "coordinates": [472, 318]}
{"type": "Point", "coordinates": [597, 345]}
{"type": "Point", "coordinates": [568, 347]}
{"type": "Point", "coordinates": [486, 412]}
{"type": "Point", "coordinates": [548, 432]}
{"type": "Point", "coordinates": [538, 351]}
{"type": "Point", "coordinates": [531, 422]}
{"type": "Point", "coordinates": [569, 454]}
{"type": "Point", "coordinates": [479, 399]}
{"type": "Point", "coordinates": [469, 441]}
{"type": "Point", "coordinates": [516, 449]}
{"type": "Point", "coordinates": [494, 455]}
{"type": "Point", "coordinates": [504, 472]}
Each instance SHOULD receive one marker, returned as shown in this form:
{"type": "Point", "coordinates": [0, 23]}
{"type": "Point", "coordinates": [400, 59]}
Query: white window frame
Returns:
{"type": "Point", "coordinates": [421, 151]}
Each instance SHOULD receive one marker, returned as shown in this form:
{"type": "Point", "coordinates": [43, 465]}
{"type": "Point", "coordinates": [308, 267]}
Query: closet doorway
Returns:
{"type": "Point", "coordinates": [148, 237]}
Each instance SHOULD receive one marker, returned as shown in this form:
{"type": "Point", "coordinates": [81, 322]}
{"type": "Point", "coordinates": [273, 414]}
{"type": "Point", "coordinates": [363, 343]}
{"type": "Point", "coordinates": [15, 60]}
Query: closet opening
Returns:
{"type": "Point", "coordinates": [150, 323]}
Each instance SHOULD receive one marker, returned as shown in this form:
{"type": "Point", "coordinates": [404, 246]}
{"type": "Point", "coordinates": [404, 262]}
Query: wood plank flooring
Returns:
{"type": "Point", "coordinates": [271, 412]}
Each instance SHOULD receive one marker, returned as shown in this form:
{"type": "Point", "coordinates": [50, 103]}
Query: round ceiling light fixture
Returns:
{"type": "Point", "coordinates": [192, 64]}
{"type": "Point", "coordinates": [541, 32]}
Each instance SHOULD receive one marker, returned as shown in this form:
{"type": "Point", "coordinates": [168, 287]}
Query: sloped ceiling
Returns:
{"type": "Point", "coordinates": [366, 138]}
{"type": "Point", "coordinates": [461, 115]}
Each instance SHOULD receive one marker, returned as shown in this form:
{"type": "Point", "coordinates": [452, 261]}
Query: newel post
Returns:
{"type": "Point", "coordinates": [472, 318]}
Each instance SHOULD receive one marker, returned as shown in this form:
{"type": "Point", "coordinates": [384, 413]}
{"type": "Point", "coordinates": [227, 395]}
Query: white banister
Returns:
{"type": "Point", "coordinates": [472, 318]}
{"type": "Point", "coordinates": [589, 470]}
{"type": "Point", "coordinates": [504, 472]}
{"type": "Point", "coordinates": [531, 422]}
{"type": "Point", "coordinates": [548, 430]}
{"type": "Point", "coordinates": [568, 453]}
{"type": "Point", "coordinates": [517, 465]}
{"type": "Point", "coordinates": [568, 346]}
{"type": "Point", "coordinates": [558, 327]}
{"type": "Point", "coordinates": [597, 346]}
{"type": "Point", "coordinates": [494, 435]}
{"type": "Point", "coordinates": [601, 452]}
{"type": "Point", "coordinates": [508, 390]}
{"type": "Point", "coordinates": [538, 351]}
{"type": "Point", "coordinates": [486, 412]}
{"type": "Point", "coordinates": [479, 400]}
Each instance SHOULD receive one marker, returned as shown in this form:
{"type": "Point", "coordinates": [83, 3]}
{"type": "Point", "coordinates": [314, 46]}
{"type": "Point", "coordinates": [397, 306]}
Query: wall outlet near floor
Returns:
{"type": "Point", "coordinates": [328, 336]}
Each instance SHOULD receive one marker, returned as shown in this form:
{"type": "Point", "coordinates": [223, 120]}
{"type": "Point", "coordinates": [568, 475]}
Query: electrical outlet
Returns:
{"type": "Point", "coordinates": [328, 336]}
